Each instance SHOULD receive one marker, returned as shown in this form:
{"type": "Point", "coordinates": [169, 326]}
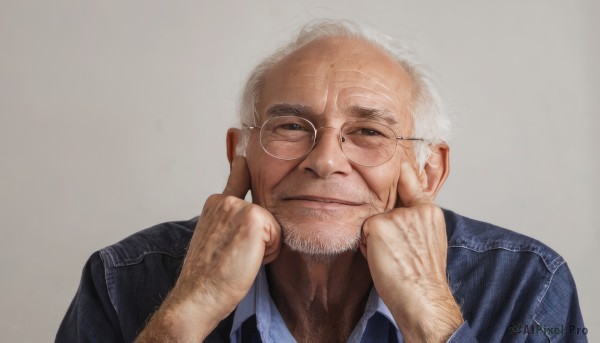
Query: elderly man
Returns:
{"type": "Point", "coordinates": [343, 148]}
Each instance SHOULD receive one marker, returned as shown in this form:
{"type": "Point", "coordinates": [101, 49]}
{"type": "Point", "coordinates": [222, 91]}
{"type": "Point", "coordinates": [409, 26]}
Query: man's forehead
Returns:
{"type": "Point", "coordinates": [368, 79]}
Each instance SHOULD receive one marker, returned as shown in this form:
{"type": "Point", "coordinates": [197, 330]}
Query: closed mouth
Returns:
{"type": "Point", "coordinates": [326, 200]}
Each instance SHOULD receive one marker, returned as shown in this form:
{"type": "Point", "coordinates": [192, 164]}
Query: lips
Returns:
{"type": "Point", "coordinates": [324, 200]}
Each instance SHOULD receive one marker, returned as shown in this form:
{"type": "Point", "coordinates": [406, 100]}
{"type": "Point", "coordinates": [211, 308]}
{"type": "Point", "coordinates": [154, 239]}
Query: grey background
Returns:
{"type": "Point", "coordinates": [113, 117]}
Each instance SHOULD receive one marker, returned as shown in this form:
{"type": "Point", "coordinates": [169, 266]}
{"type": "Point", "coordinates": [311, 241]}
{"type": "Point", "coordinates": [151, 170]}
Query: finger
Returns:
{"type": "Point", "coordinates": [238, 183]}
{"type": "Point", "coordinates": [363, 247]}
{"type": "Point", "coordinates": [410, 190]}
{"type": "Point", "coordinates": [273, 245]}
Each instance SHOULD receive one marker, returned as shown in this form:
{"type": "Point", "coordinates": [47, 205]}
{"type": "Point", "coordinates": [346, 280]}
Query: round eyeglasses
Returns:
{"type": "Point", "coordinates": [366, 143]}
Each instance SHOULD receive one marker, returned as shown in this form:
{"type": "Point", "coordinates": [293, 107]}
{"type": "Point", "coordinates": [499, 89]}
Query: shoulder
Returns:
{"type": "Point", "coordinates": [169, 238]}
{"type": "Point", "coordinates": [480, 237]}
{"type": "Point", "coordinates": [501, 278]}
{"type": "Point", "coordinates": [136, 274]}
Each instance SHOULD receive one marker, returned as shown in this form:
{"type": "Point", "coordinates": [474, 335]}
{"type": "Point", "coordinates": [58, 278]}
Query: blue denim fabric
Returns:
{"type": "Point", "coordinates": [511, 288]}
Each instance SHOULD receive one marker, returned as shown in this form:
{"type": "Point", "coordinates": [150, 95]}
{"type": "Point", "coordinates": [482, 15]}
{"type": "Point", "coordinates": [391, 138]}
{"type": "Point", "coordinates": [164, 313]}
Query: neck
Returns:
{"type": "Point", "coordinates": [321, 298]}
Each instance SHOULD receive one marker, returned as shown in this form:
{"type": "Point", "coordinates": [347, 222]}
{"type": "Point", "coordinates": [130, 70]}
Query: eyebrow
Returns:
{"type": "Point", "coordinates": [289, 109]}
{"type": "Point", "coordinates": [305, 111]}
{"type": "Point", "coordinates": [373, 114]}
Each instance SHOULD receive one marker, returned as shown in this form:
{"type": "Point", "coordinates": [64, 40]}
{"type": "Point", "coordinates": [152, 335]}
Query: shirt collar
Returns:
{"type": "Point", "coordinates": [376, 305]}
{"type": "Point", "coordinates": [258, 302]}
{"type": "Point", "coordinates": [247, 307]}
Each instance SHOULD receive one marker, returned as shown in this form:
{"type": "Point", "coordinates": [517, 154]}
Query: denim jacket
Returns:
{"type": "Point", "coordinates": [511, 288]}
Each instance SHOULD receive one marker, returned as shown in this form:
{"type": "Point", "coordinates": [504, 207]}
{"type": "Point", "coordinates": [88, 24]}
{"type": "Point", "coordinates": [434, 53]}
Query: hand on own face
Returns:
{"type": "Point", "coordinates": [231, 240]}
{"type": "Point", "coordinates": [406, 249]}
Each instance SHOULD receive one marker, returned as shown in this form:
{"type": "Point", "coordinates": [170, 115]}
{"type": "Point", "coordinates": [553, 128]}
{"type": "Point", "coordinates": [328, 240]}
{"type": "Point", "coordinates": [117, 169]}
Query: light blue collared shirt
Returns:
{"type": "Point", "coordinates": [375, 325]}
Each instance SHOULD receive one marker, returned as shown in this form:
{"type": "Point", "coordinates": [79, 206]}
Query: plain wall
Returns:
{"type": "Point", "coordinates": [113, 117]}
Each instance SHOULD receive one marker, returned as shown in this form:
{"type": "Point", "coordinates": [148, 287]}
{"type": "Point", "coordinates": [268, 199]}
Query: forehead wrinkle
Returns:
{"type": "Point", "coordinates": [381, 88]}
{"type": "Point", "coordinates": [382, 114]}
{"type": "Point", "coordinates": [370, 75]}
{"type": "Point", "coordinates": [318, 75]}
{"type": "Point", "coordinates": [390, 98]}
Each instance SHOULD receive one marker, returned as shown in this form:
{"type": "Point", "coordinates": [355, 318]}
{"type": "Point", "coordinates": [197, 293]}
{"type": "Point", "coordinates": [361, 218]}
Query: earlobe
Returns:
{"type": "Point", "coordinates": [233, 137]}
{"type": "Point", "coordinates": [436, 169]}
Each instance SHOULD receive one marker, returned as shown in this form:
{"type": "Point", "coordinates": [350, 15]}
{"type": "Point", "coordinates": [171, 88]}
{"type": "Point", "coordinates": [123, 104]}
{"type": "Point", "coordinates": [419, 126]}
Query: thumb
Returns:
{"type": "Point", "coordinates": [238, 183]}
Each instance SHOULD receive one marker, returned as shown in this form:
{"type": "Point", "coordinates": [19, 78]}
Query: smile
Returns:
{"type": "Point", "coordinates": [321, 202]}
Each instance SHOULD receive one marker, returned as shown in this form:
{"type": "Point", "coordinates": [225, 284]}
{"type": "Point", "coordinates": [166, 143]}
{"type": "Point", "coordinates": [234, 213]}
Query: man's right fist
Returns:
{"type": "Point", "coordinates": [232, 239]}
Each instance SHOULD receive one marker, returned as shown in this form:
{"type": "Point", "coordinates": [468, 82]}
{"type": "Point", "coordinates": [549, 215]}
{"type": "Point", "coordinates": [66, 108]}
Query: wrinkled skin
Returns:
{"type": "Point", "coordinates": [375, 225]}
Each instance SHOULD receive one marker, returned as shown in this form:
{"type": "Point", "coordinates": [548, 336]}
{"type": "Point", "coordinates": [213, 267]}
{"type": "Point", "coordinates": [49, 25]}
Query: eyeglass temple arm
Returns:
{"type": "Point", "coordinates": [410, 139]}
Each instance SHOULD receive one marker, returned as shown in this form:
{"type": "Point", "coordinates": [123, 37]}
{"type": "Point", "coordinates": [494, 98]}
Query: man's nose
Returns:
{"type": "Point", "coordinates": [326, 158]}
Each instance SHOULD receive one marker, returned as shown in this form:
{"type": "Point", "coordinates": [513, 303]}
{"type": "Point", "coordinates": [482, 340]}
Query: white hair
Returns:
{"type": "Point", "coordinates": [430, 119]}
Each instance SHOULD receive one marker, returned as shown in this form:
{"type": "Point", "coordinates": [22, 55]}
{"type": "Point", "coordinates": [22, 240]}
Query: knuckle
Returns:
{"type": "Point", "coordinates": [372, 221]}
{"type": "Point", "coordinates": [228, 202]}
{"type": "Point", "coordinates": [400, 215]}
{"type": "Point", "coordinates": [374, 224]}
{"type": "Point", "coordinates": [211, 202]}
{"type": "Point", "coordinates": [431, 210]}
{"type": "Point", "coordinates": [251, 215]}
{"type": "Point", "coordinates": [368, 224]}
{"type": "Point", "coordinates": [213, 198]}
{"type": "Point", "coordinates": [253, 212]}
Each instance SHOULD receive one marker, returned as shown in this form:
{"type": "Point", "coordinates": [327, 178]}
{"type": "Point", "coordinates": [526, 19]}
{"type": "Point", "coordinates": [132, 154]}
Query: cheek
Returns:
{"type": "Point", "coordinates": [265, 173]}
{"type": "Point", "coordinates": [383, 182]}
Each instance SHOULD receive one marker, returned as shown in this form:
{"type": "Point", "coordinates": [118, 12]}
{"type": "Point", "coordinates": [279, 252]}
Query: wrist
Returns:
{"type": "Point", "coordinates": [183, 319]}
{"type": "Point", "coordinates": [429, 314]}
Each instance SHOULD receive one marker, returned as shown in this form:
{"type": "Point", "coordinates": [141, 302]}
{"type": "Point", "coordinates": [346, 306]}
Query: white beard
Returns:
{"type": "Point", "coordinates": [324, 240]}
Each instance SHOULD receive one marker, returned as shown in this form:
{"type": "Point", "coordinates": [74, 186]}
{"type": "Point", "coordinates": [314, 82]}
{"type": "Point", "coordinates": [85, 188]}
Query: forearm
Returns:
{"type": "Point", "coordinates": [181, 321]}
{"type": "Point", "coordinates": [431, 315]}
{"type": "Point", "coordinates": [231, 240]}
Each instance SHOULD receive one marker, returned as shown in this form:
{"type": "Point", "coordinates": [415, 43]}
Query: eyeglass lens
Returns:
{"type": "Point", "coordinates": [367, 143]}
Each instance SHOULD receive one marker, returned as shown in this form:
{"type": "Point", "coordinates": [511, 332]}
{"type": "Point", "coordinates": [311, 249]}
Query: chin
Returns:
{"type": "Point", "coordinates": [321, 239]}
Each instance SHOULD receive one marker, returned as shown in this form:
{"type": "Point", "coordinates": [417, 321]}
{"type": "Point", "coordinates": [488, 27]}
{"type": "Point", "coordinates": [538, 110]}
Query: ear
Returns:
{"type": "Point", "coordinates": [436, 170]}
{"type": "Point", "coordinates": [233, 137]}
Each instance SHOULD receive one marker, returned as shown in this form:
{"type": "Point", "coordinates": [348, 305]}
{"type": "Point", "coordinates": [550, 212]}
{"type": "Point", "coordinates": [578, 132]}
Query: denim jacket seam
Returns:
{"type": "Point", "coordinates": [556, 263]}
{"type": "Point", "coordinates": [551, 265]}
{"type": "Point", "coordinates": [107, 260]}
{"type": "Point", "coordinates": [114, 261]}
{"type": "Point", "coordinates": [541, 299]}
{"type": "Point", "coordinates": [108, 257]}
